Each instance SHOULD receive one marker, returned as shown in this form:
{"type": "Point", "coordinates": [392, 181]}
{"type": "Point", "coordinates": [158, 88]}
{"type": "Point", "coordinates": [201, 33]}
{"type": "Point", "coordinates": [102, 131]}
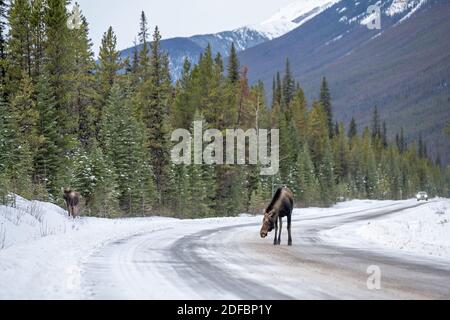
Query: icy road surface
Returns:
{"type": "Point", "coordinates": [226, 259]}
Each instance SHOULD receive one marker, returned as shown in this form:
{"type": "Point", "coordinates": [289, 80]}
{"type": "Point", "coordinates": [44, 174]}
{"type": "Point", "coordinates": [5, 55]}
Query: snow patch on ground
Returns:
{"type": "Point", "coordinates": [423, 231]}
{"type": "Point", "coordinates": [41, 249]}
{"type": "Point", "coordinates": [36, 264]}
{"type": "Point", "coordinates": [32, 220]}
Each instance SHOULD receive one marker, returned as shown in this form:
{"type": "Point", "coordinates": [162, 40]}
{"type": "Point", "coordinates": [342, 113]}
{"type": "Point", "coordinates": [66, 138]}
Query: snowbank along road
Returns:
{"type": "Point", "coordinates": [356, 250]}
{"type": "Point", "coordinates": [228, 260]}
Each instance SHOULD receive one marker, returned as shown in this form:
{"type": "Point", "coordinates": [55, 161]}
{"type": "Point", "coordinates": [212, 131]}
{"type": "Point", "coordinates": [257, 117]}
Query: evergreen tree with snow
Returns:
{"type": "Point", "coordinates": [126, 148]}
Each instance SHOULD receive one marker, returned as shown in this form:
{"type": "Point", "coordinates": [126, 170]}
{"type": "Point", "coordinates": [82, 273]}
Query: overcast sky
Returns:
{"type": "Point", "coordinates": [174, 17]}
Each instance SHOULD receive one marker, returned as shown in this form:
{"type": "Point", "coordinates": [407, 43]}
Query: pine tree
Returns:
{"type": "Point", "coordinates": [59, 66]}
{"type": "Point", "coordinates": [308, 185]}
{"type": "Point", "coordinates": [107, 68]}
{"type": "Point", "coordinates": [384, 135]}
{"type": "Point", "coordinates": [341, 153]}
{"type": "Point", "coordinates": [38, 35]}
{"type": "Point", "coordinates": [125, 147]}
{"type": "Point", "coordinates": [15, 153]}
{"type": "Point", "coordinates": [19, 43]}
{"type": "Point", "coordinates": [83, 94]}
{"type": "Point", "coordinates": [325, 100]}
{"type": "Point", "coordinates": [3, 10]}
{"type": "Point", "coordinates": [96, 179]}
{"type": "Point", "coordinates": [326, 177]}
{"type": "Point", "coordinates": [144, 59]}
{"type": "Point", "coordinates": [233, 65]}
{"type": "Point", "coordinates": [376, 124]}
{"type": "Point", "coordinates": [299, 113]}
{"type": "Point", "coordinates": [318, 133]}
{"type": "Point", "coordinates": [274, 92]}
{"type": "Point", "coordinates": [153, 101]}
{"type": "Point", "coordinates": [369, 166]}
{"type": "Point", "coordinates": [47, 162]}
{"type": "Point", "coordinates": [278, 90]}
{"type": "Point", "coordinates": [353, 130]}
{"type": "Point", "coordinates": [25, 112]}
{"type": "Point", "coordinates": [401, 142]}
{"type": "Point", "coordinates": [288, 85]}
{"type": "Point", "coordinates": [184, 110]}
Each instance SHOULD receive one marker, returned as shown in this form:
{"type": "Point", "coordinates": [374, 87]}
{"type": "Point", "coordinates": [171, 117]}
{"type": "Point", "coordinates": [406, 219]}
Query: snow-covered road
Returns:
{"type": "Point", "coordinates": [193, 260]}
{"type": "Point", "coordinates": [48, 256]}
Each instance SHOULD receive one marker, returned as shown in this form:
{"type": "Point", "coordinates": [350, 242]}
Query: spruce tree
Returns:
{"type": "Point", "coordinates": [125, 147]}
{"type": "Point", "coordinates": [83, 94]}
{"type": "Point", "coordinates": [96, 180]}
{"type": "Point", "coordinates": [107, 68]}
{"type": "Point", "coordinates": [3, 10]}
{"type": "Point", "coordinates": [326, 177]}
{"type": "Point", "coordinates": [299, 114]}
{"type": "Point", "coordinates": [25, 112]}
{"type": "Point", "coordinates": [353, 130]}
{"type": "Point", "coordinates": [376, 124]}
{"type": "Point", "coordinates": [47, 163]}
{"type": "Point", "coordinates": [144, 59]}
{"type": "Point", "coordinates": [183, 112]}
{"type": "Point", "coordinates": [38, 35]}
{"type": "Point", "coordinates": [278, 91]}
{"type": "Point", "coordinates": [308, 185]}
{"type": "Point", "coordinates": [318, 133]}
{"type": "Point", "coordinates": [369, 166]}
{"type": "Point", "coordinates": [19, 43]}
{"type": "Point", "coordinates": [233, 65]}
{"type": "Point", "coordinates": [288, 85]}
{"type": "Point", "coordinates": [153, 101]}
{"type": "Point", "coordinates": [384, 135]}
{"type": "Point", "coordinates": [325, 100]}
{"type": "Point", "coordinates": [341, 152]}
{"type": "Point", "coordinates": [15, 153]}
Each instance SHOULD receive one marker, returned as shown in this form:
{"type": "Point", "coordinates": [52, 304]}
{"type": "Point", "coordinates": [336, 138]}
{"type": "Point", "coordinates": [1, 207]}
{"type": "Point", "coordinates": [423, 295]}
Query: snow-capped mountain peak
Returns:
{"type": "Point", "coordinates": [291, 17]}
{"type": "Point", "coordinates": [399, 6]}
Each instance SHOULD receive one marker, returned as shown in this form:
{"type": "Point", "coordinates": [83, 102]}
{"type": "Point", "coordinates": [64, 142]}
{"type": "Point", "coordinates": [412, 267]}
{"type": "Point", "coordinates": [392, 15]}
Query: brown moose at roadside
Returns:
{"type": "Point", "coordinates": [72, 199]}
{"type": "Point", "coordinates": [281, 206]}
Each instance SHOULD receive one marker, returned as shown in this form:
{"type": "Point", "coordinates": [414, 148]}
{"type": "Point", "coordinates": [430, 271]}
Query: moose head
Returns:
{"type": "Point", "coordinates": [268, 223]}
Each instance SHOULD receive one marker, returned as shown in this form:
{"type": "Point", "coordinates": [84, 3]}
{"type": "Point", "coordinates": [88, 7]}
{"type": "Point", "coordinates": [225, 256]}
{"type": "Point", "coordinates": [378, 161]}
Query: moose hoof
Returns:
{"type": "Point", "coordinates": [290, 243]}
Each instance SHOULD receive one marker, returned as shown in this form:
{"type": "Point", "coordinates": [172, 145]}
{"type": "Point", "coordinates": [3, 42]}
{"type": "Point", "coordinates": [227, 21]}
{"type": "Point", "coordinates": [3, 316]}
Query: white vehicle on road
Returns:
{"type": "Point", "coordinates": [422, 196]}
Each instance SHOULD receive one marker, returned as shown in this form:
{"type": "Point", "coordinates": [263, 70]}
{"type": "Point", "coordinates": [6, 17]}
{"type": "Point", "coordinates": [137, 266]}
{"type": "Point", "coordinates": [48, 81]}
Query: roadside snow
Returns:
{"type": "Point", "coordinates": [31, 220]}
{"type": "Point", "coordinates": [423, 231]}
{"type": "Point", "coordinates": [44, 251]}
{"type": "Point", "coordinates": [41, 249]}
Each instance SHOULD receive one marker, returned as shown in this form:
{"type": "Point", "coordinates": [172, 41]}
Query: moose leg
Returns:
{"type": "Point", "coordinates": [68, 208]}
{"type": "Point", "coordinates": [289, 218]}
{"type": "Point", "coordinates": [275, 242]}
{"type": "Point", "coordinates": [281, 230]}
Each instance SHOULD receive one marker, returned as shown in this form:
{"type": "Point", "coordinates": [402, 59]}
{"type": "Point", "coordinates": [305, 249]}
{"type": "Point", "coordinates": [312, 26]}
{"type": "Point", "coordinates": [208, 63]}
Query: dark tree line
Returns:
{"type": "Point", "coordinates": [103, 127]}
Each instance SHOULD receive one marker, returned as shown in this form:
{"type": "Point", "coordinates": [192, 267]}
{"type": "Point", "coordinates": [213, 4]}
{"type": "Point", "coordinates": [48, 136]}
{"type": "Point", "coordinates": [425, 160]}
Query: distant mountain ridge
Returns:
{"type": "Point", "coordinates": [285, 20]}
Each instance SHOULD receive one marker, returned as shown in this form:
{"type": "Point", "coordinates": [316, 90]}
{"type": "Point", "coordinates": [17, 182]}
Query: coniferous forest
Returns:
{"type": "Point", "coordinates": [102, 126]}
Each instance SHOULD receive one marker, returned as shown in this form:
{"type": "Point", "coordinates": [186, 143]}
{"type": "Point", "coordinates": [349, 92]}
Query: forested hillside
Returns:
{"type": "Point", "coordinates": [67, 121]}
{"type": "Point", "coordinates": [403, 69]}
